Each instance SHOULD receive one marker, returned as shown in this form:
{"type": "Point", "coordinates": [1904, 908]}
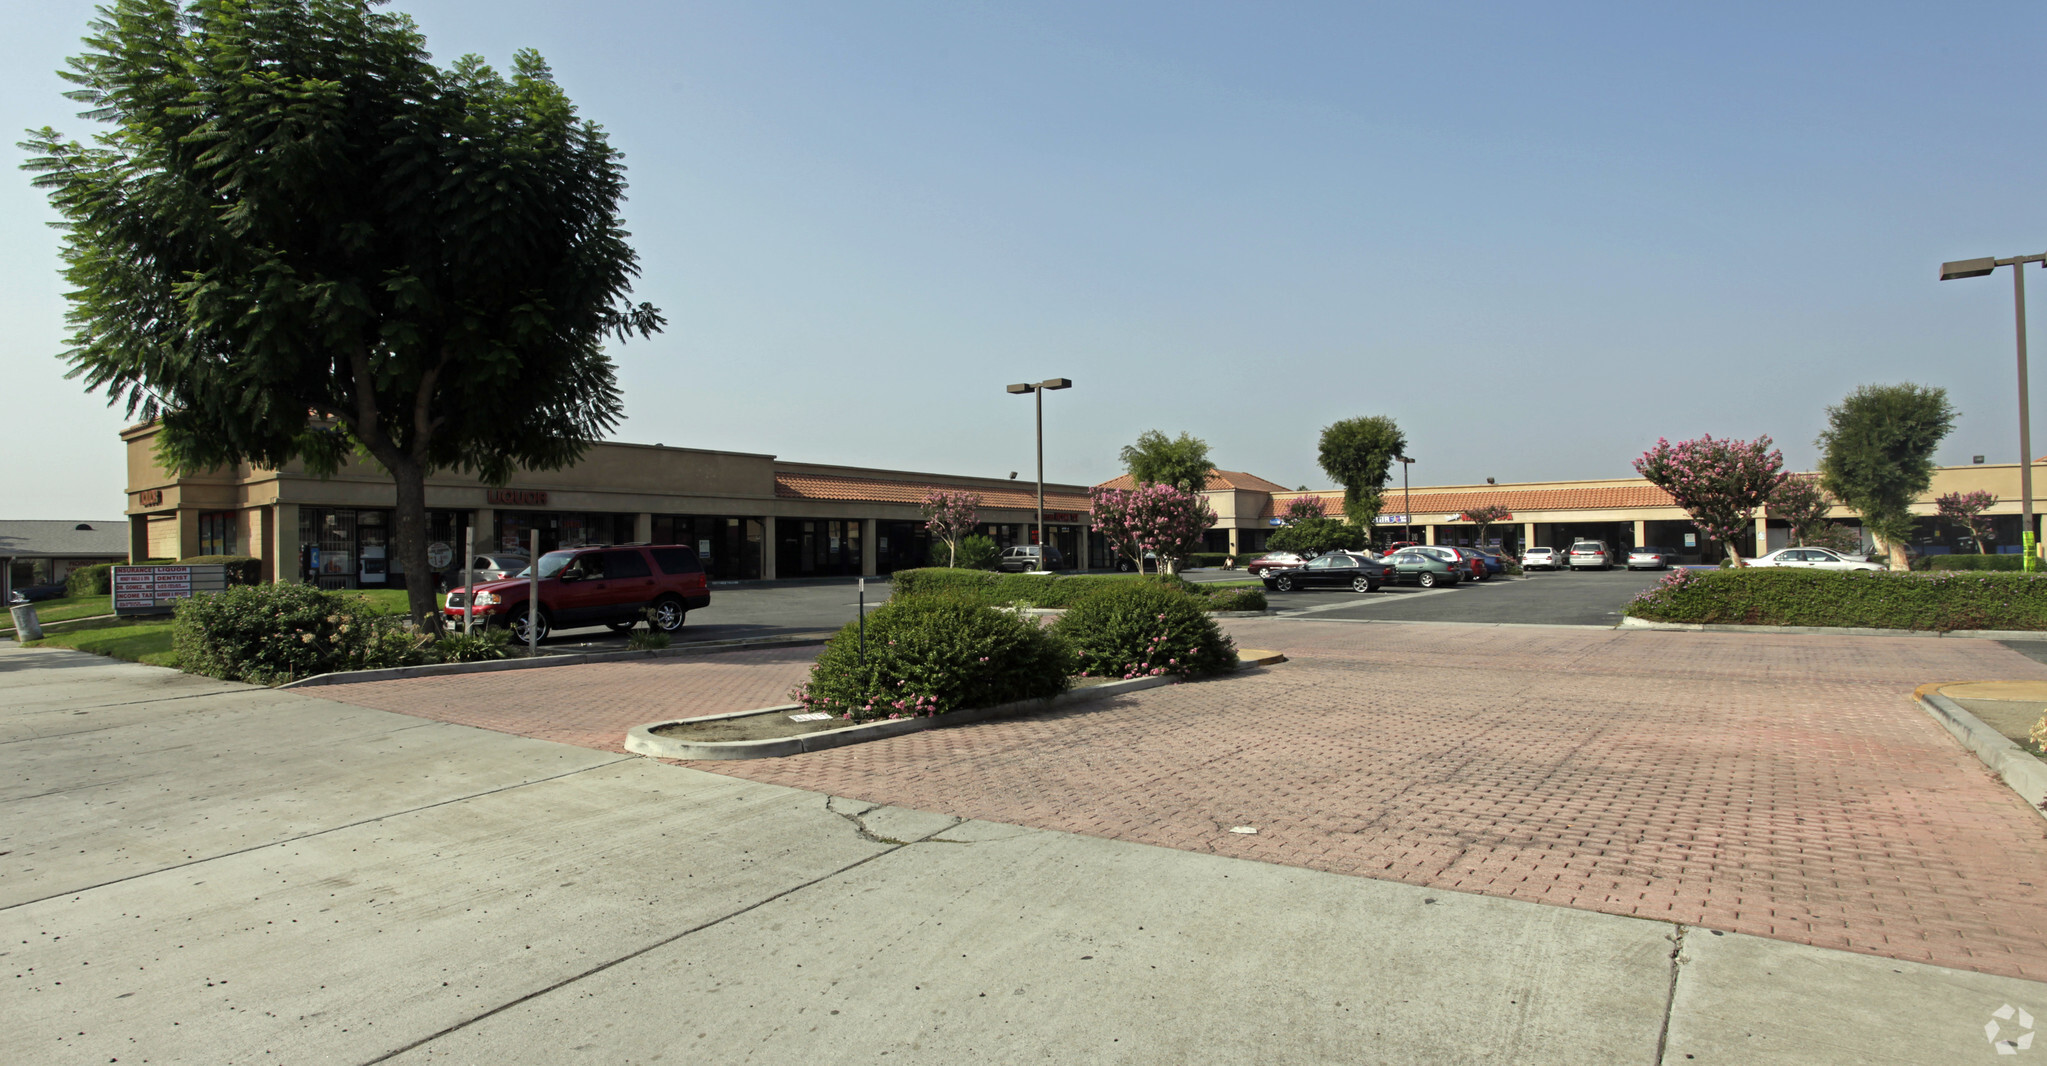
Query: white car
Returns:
{"type": "Point", "coordinates": [1814, 559]}
{"type": "Point", "coordinates": [1542, 559]}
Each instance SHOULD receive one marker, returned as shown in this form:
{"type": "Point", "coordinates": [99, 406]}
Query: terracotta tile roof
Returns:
{"type": "Point", "coordinates": [1217, 479]}
{"type": "Point", "coordinates": [878, 490]}
{"type": "Point", "coordinates": [1598, 498]}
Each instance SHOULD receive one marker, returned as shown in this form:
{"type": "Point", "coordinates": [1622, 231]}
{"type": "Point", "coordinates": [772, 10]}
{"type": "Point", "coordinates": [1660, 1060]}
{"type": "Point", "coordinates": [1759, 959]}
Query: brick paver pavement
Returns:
{"type": "Point", "coordinates": [591, 705]}
{"type": "Point", "coordinates": [1779, 785]}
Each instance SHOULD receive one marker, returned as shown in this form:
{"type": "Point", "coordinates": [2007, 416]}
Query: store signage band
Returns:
{"type": "Point", "coordinates": [149, 497]}
{"type": "Point", "coordinates": [517, 497]}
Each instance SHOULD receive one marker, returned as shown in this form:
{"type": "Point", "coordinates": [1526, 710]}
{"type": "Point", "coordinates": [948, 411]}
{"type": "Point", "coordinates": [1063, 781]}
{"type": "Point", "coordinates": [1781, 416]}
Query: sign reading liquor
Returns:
{"type": "Point", "coordinates": [517, 497]}
{"type": "Point", "coordinates": [153, 589]}
{"type": "Point", "coordinates": [149, 497]}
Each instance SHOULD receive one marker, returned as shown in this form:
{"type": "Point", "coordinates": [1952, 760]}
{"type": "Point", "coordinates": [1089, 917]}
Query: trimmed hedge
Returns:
{"type": "Point", "coordinates": [1938, 601]}
{"type": "Point", "coordinates": [930, 654]}
{"type": "Point", "coordinates": [1970, 562]}
{"type": "Point", "coordinates": [267, 634]}
{"type": "Point", "coordinates": [94, 580]}
{"type": "Point", "coordinates": [241, 569]}
{"type": "Point", "coordinates": [1055, 591]}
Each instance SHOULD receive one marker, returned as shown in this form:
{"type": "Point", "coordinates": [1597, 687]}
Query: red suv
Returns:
{"type": "Point", "coordinates": [615, 587]}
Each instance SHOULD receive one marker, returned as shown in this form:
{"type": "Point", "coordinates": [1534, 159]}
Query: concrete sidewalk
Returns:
{"type": "Point", "coordinates": [202, 872]}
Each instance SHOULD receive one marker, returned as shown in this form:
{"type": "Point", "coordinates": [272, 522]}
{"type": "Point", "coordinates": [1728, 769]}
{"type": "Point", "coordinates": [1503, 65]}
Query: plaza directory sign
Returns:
{"type": "Point", "coordinates": [155, 589]}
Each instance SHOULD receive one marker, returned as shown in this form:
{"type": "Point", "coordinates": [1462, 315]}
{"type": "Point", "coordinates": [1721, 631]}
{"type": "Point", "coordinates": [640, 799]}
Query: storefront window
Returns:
{"type": "Point", "coordinates": [217, 533]}
{"type": "Point", "coordinates": [730, 547]}
{"type": "Point", "coordinates": [561, 529]}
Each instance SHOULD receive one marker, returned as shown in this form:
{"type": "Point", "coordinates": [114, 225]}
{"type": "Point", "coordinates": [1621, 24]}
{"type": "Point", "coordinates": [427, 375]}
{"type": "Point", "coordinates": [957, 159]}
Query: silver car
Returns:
{"type": "Point", "coordinates": [1542, 559]}
{"type": "Point", "coordinates": [1590, 555]}
{"type": "Point", "coordinates": [496, 566]}
{"type": "Point", "coordinates": [1814, 559]}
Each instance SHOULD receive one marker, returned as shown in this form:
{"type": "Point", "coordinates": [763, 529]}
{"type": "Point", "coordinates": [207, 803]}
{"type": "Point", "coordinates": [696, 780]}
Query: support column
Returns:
{"type": "Point", "coordinates": [1641, 533]}
{"type": "Point", "coordinates": [769, 547]}
{"type": "Point", "coordinates": [138, 537]}
{"type": "Point", "coordinates": [869, 549]}
{"type": "Point", "coordinates": [484, 521]}
{"type": "Point", "coordinates": [284, 542]}
{"type": "Point", "coordinates": [1080, 559]}
{"type": "Point", "coordinates": [188, 532]}
{"type": "Point", "coordinates": [1233, 540]}
{"type": "Point", "coordinates": [643, 529]}
{"type": "Point", "coordinates": [1762, 536]}
{"type": "Point", "coordinates": [1528, 537]}
{"type": "Point", "coordinates": [1428, 534]}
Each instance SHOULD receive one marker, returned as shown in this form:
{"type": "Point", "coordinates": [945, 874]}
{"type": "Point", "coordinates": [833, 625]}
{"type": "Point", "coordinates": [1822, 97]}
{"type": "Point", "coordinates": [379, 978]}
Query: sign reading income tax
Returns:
{"type": "Point", "coordinates": [155, 589]}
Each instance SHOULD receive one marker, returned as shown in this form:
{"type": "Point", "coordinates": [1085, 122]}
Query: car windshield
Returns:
{"type": "Point", "coordinates": [550, 564]}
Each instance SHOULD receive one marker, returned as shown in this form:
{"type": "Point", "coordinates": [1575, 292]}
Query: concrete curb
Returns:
{"type": "Point", "coordinates": [1838, 631]}
{"type": "Point", "coordinates": [2024, 774]}
{"type": "Point", "coordinates": [642, 740]}
{"type": "Point", "coordinates": [349, 677]}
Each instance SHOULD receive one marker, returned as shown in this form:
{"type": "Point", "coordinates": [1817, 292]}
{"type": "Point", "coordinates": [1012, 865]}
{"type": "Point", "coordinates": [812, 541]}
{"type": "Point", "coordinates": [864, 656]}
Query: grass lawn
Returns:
{"type": "Point", "coordinates": [141, 641]}
{"type": "Point", "coordinates": [66, 608]}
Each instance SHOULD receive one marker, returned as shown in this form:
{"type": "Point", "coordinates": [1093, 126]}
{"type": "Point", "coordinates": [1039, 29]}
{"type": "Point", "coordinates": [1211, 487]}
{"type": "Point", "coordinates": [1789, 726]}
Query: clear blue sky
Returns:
{"type": "Point", "coordinates": [1538, 236]}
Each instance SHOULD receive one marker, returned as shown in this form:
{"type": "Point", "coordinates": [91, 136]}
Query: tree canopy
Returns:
{"type": "Point", "coordinates": [1156, 459]}
{"type": "Point", "coordinates": [298, 238]}
{"type": "Point", "coordinates": [1876, 455]}
{"type": "Point", "coordinates": [1719, 483]}
{"type": "Point", "coordinates": [1358, 453]}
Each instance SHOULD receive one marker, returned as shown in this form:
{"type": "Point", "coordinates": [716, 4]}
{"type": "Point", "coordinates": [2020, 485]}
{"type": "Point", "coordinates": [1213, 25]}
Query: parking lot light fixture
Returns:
{"type": "Point", "coordinates": [1406, 500]}
{"type": "Point", "coordinates": [1976, 268]}
{"type": "Point", "coordinates": [1039, 389]}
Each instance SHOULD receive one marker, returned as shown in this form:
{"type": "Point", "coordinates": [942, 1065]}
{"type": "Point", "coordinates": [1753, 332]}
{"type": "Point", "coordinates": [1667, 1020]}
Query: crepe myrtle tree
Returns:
{"type": "Point", "coordinates": [1876, 457]}
{"type": "Point", "coordinates": [1157, 459]}
{"type": "Point", "coordinates": [1804, 506]}
{"type": "Point", "coordinates": [1966, 509]}
{"type": "Point", "coordinates": [297, 238]}
{"type": "Point", "coordinates": [950, 514]}
{"type": "Point", "coordinates": [1719, 483]}
{"type": "Point", "coordinates": [1358, 454]}
{"type": "Point", "coordinates": [1166, 521]}
{"type": "Point", "coordinates": [1300, 509]}
{"type": "Point", "coordinates": [1485, 517]}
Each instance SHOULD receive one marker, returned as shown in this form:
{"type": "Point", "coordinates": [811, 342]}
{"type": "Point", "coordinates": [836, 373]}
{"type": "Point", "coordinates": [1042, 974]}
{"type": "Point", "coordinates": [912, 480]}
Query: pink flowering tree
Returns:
{"type": "Point", "coordinates": [1484, 517]}
{"type": "Point", "coordinates": [1966, 509]}
{"type": "Point", "coordinates": [1300, 509]}
{"type": "Point", "coordinates": [950, 514]}
{"type": "Point", "coordinates": [1719, 483]}
{"type": "Point", "coordinates": [1160, 519]}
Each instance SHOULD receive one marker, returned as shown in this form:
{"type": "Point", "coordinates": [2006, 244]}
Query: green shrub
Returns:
{"type": "Point", "coordinates": [483, 644]}
{"type": "Point", "coordinates": [1140, 629]}
{"type": "Point", "coordinates": [267, 634]}
{"type": "Point", "coordinates": [94, 580]}
{"type": "Point", "coordinates": [930, 654]}
{"type": "Point", "coordinates": [1939, 601]}
{"type": "Point", "coordinates": [1235, 599]}
{"type": "Point", "coordinates": [978, 553]}
{"type": "Point", "coordinates": [241, 569]}
{"type": "Point", "coordinates": [1022, 590]}
{"type": "Point", "coordinates": [1970, 562]}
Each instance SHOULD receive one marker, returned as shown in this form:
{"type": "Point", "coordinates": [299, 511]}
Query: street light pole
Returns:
{"type": "Point", "coordinates": [1406, 500]}
{"type": "Point", "coordinates": [1976, 268]}
{"type": "Point", "coordinates": [1038, 391]}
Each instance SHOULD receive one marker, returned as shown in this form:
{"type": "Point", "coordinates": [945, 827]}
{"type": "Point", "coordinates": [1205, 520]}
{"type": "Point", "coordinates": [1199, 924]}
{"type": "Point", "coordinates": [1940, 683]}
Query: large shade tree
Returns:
{"type": "Point", "coordinates": [1358, 453]}
{"type": "Point", "coordinates": [298, 238]}
{"type": "Point", "coordinates": [1719, 483]}
{"type": "Point", "coordinates": [1876, 456]}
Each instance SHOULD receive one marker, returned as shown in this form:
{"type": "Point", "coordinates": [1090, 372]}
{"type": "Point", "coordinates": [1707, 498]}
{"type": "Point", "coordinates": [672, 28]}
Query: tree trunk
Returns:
{"type": "Point", "coordinates": [410, 536]}
{"type": "Point", "coordinates": [1734, 553]}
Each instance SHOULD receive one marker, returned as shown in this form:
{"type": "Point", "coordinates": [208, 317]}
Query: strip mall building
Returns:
{"type": "Point", "coordinates": [759, 517]}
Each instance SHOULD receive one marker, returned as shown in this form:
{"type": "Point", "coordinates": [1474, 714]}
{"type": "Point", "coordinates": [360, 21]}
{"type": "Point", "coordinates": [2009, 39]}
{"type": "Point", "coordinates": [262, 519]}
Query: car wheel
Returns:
{"type": "Point", "coordinates": [1124, 566]}
{"type": "Point", "coordinates": [1426, 579]}
{"type": "Point", "coordinates": [1284, 583]}
{"type": "Point", "coordinates": [668, 615]}
{"type": "Point", "coordinates": [543, 625]}
{"type": "Point", "coordinates": [1361, 584]}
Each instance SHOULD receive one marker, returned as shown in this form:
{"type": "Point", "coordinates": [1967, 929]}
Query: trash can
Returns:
{"type": "Point", "coordinates": [26, 625]}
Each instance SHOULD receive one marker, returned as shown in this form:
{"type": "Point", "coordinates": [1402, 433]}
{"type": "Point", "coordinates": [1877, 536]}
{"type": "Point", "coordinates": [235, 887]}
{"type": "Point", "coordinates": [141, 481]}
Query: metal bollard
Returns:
{"type": "Point", "coordinates": [26, 625]}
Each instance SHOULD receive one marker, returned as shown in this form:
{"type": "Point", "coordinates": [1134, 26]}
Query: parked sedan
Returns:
{"type": "Point", "coordinates": [1542, 559]}
{"type": "Point", "coordinates": [1651, 558]}
{"type": "Point", "coordinates": [1417, 566]}
{"type": "Point", "coordinates": [1274, 561]}
{"type": "Point", "coordinates": [1814, 559]}
{"type": "Point", "coordinates": [1353, 570]}
{"type": "Point", "coordinates": [1467, 561]}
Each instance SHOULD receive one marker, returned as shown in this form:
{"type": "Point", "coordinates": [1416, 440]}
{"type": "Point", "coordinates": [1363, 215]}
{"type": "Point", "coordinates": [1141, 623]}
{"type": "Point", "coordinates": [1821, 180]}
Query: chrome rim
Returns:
{"type": "Point", "coordinates": [1284, 584]}
{"type": "Point", "coordinates": [668, 616]}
